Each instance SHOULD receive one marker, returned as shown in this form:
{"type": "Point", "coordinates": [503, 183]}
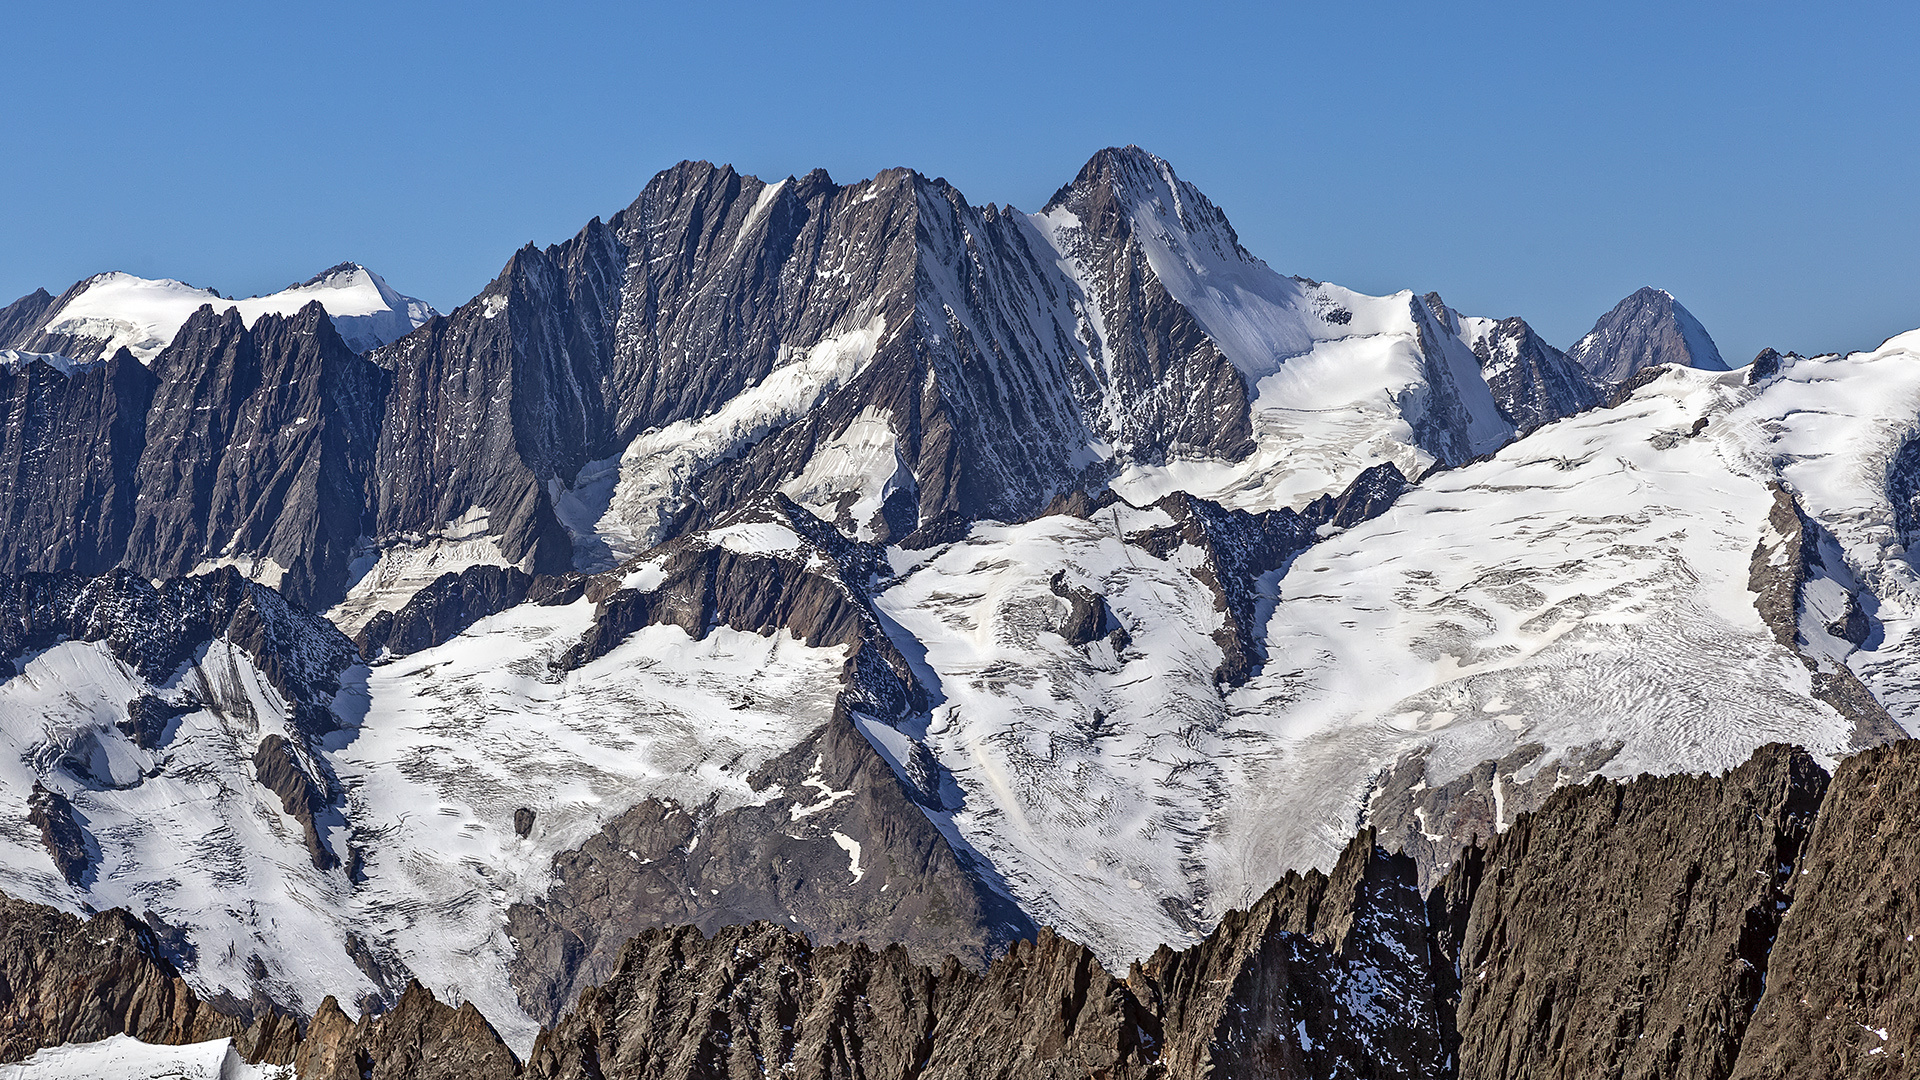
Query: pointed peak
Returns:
{"type": "Point", "coordinates": [1129, 172]}
{"type": "Point", "coordinates": [1647, 328]}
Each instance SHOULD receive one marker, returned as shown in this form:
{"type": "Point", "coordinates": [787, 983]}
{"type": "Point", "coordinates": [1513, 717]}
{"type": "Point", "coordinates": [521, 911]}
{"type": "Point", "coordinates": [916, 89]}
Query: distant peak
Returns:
{"type": "Point", "coordinates": [330, 273]}
{"type": "Point", "coordinates": [1649, 327]}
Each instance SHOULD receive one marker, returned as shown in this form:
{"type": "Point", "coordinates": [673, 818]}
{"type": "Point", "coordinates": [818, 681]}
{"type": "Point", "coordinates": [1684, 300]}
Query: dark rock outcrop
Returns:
{"type": "Point", "coordinates": [72, 446]}
{"type": "Point", "coordinates": [1623, 929]}
{"type": "Point", "coordinates": [420, 1038]}
{"type": "Point", "coordinates": [60, 830]}
{"type": "Point", "coordinates": [816, 591]}
{"type": "Point", "coordinates": [1237, 548]}
{"type": "Point", "coordinates": [278, 768]}
{"type": "Point", "coordinates": [1793, 549]}
{"type": "Point", "coordinates": [1369, 495]}
{"type": "Point", "coordinates": [1766, 365]}
{"type": "Point", "coordinates": [1088, 617]}
{"type": "Point", "coordinates": [438, 613]}
{"type": "Point", "coordinates": [1176, 391]}
{"type": "Point", "coordinates": [259, 446]}
{"type": "Point", "coordinates": [149, 718]}
{"type": "Point", "coordinates": [156, 628]}
{"type": "Point", "coordinates": [1533, 383]}
{"type": "Point", "coordinates": [1844, 972]}
{"type": "Point", "coordinates": [22, 319]}
{"type": "Point", "coordinates": [1645, 330]}
{"type": "Point", "coordinates": [837, 850]}
{"type": "Point", "coordinates": [63, 979]}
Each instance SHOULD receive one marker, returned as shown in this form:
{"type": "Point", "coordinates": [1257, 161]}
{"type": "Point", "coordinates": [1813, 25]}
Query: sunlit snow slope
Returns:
{"type": "Point", "coordinates": [116, 310]}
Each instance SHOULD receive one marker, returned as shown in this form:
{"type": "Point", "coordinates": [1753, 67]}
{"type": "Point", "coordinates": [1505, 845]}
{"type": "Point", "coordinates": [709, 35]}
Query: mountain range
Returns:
{"type": "Point", "coordinates": [1027, 597]}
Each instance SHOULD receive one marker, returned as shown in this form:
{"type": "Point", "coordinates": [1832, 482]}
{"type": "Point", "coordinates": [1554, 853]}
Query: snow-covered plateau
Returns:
{"type": "Point", "coordinates": [116, 310]}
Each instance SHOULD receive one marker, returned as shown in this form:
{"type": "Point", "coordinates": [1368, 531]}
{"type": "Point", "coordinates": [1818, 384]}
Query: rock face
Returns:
{"type": "Point", "coordinates": [258, 447]}
{"type": "Point", "coordinates": [897, 361]}
{"type": "Point", "coordinates": [1624, 929]}
{"type": "Point", "coordinates": [1646, 329]}
{"type": "Point", "coordinates": [63, 979]}
{"type": "Point", "coordinates": [1174, 390]}
{"type": "Point", "coordinates": [442, 610]}
{"type": "Point", "coordinates": [246, 445]}
{"type": "Point", "coordinates": [68, 465]}
{"type": "Point", "coordinates": [1756, 924]}
{"type": "Point", "coordinates": [420, 1038]}
{"type": "Point", "coordinates": [20, 320]}
{"type": "Point", "coordinates": [1533, 383]}
{"type": "Point", "coordinates": [154, 629]}
{"type": "Point", "coordinates": [782, 569]}
{"type": "Point", "coordinates": [1844, 971]}
{"type": "Point", "coordinates": [838, 851]}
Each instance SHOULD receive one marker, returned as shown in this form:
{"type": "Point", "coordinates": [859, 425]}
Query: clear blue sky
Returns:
{"type": "Point", "coordinates": [1757, 160]}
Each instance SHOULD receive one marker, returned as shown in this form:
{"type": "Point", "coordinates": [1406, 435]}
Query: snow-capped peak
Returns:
{"type": "Point", "coordinates": [1647, 328]}
{"type": "Point", "coordinates": [115, 309]}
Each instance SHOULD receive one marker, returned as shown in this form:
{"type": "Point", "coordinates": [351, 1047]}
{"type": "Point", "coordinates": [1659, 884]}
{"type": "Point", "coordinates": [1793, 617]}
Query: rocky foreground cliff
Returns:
{"type": "Point", "coordinates": [1757, 924]}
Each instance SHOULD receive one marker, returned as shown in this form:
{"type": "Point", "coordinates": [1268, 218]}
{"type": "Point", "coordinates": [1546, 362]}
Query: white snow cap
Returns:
{"type": "Point", "coordinates": [143, 314]}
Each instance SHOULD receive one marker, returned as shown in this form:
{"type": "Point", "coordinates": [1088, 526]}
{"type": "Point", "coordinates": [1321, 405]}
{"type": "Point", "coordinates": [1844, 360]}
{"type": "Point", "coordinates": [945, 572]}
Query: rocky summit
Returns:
{"type": "Point", "coordinates": [837, 629]}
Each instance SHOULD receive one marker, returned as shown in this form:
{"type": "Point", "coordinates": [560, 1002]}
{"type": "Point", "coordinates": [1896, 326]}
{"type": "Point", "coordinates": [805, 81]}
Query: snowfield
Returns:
{"type": "Point", "coordinates": [142, 315]}
{"type": "Point", "coordinates": [441, 748]}
{"type": "Point", "coordinates": [124, 1058]}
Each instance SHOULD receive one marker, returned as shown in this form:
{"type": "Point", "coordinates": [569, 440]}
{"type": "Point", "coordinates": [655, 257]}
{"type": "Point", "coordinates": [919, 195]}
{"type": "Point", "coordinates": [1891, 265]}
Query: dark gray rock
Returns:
{"type": "Point", "coordinates": [1765, 366]}
{"type": "Point", "coordinates": [439, 612]}
{"type": "Point", "coordinates": [523, 822]}
{"type": "Point", "coordinates": [817, 592]}
{"type": "Point", "coordinates": [150, 720]}
{"type": "Point", "coordinates": [1366, 497]}
{"type": "Point", "coordinates": [1646, 329]}
{"type": "Point", "coordinates": [22, 319]}
{"type": "Point", "coordinates": [74, 852]}
{"type": "Point", "coordinates": [68, 460]}
{"type": "Point", "coordinates": [662, 864]}
{"type": "Point", "coordinates": [277, 766]}
{"type": "Point", "coordinates": [1788, 554]}
{"type": "Point", "coordinates": [1533, 383]}
{"type": "Point", "coordinates": [259, 444]}
{"type": "Point", "coordinates": [1088, 618]}
{"type": "Point", "coordinates": [1176, 390]}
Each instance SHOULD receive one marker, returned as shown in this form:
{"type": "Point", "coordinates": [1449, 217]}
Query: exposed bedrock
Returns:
{"type": "Point", "coordinates": [453, 602]}
{"type": "Point", "coordinates": [156, 628]}
{"type": "Point", "coordinates": [259, 447]}
{"type": "Point", "coordinates": [420, 1038]}
{"type": "Point", "coordinates": [816, 589]}
{"type": "Point", "coordinates": [65, 979]}
{"type": "Point", "coordinates": [1844, 973]}
{"type": "Point", "coordinates": [1238, 548]}
{"type": "Point", "coordinates": [1624, 929]}
{"type": "Point", "coordinates": [69, 457]}
{"type": "Point", "coordinates": [837, 850]}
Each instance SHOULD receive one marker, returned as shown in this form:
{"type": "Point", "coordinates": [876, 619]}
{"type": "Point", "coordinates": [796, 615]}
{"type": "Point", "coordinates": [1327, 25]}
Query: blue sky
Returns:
{"type": "Point", "coordinates": [1759, 160]}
